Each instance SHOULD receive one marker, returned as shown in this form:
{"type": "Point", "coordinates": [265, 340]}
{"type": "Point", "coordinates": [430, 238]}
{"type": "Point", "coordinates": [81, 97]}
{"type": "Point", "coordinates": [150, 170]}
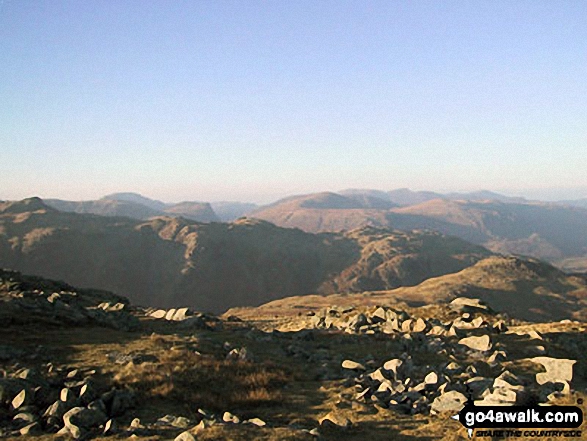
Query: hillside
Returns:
{"type": "Point", "coordinates": [526, 289]}
{"type": "Point", "coordinates": [544, 230]}
{"type": "Point", "coordinates": [165, 261]}
{"type": "Point", "coordinates": [87, 364]}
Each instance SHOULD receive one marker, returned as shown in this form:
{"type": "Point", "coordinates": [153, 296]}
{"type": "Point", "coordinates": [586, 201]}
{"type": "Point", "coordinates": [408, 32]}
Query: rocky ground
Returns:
{"type": "Point", "coordinates": [85, 364]}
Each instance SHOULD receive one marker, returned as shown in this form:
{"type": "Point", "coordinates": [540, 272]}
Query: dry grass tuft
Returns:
{"type": "Point", "coordinates": [202, 381]}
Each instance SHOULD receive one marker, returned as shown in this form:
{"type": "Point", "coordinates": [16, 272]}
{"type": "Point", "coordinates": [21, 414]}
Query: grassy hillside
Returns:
{"type": "Point", "coordinates": [165, 261]}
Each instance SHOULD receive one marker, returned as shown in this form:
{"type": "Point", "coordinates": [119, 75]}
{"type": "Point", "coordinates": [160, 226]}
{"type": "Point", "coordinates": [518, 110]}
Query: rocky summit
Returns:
{"type": "Point", "coordinates": [86, 364]}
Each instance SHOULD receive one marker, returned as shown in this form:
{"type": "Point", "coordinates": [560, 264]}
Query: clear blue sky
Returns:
{"type": "Point", "coordinates": [247, 100]}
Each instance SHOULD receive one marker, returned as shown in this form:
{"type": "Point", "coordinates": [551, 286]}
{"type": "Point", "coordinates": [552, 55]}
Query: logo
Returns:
{"type": "Point", "coordinates": [515, 418]}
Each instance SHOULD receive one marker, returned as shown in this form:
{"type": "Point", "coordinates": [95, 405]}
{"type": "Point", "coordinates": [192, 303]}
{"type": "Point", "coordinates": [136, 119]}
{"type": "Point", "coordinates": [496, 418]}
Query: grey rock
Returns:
{"type": "Point", "coordinates": [79, 419]}
{"type": "Point", "coordinates": [451, 401]}
{"type": "Point", "coordinates": [557, 369]}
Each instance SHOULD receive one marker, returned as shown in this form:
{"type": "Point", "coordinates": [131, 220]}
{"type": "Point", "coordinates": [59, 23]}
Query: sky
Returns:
{"type": "Point", "coordinates": [254, 100]}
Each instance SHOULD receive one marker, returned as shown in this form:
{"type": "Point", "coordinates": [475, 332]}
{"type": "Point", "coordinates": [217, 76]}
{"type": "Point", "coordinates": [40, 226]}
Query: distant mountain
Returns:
{"type": "Point", "coordinates": [542, 230]}
{"type": "Point", "coordinates": [484, 195]}
{"type": "Point", "coordinates": [135, 206]}
{"type": "Point", "coordinates": [105, 207]}
{"type": "Point", "coordinates": [405, 196]}
{"type": "Point", "coordinates": [173, 261]}
{"type": "Point", "coordinates": [199, 211]}
{"type": "Point", "coordinates": [228, 211]}
{"type": "Point", "coordinates": [137, 199]}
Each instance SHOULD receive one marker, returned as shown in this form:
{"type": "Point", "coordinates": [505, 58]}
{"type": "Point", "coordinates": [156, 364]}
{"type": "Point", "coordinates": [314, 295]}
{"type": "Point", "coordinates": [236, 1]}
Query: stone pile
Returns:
{"type": "Point", "coordinates": [24, 300]}
{"type": "Point", "coordinates": [471, 374]}
{"type": "Point", "coordinates": [391, 321]}
{"type": "Point", "coordinates": [60, 401]}
{"type": "Point", "coordinates": [185, 317]}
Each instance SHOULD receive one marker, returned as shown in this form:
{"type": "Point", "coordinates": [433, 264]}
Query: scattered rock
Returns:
{"type": "Point", "coordinates": [482, 343]}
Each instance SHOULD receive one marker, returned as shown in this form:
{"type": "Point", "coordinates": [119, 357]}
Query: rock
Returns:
{"type": "Point", "coordinates": [379, 315]}
{"type": "Point", "coordinates": [57, 409]}
{"type": "Point", "coordinates": [110, 427]}
{"type": "Point", "coordinates": [497, 356]}
{"type": "Point", "coordinates": [181, 422]}
{"type": "Point", "coordinates": [79, 419]}
{"type": "Point", "coordinates": [66, 395]}
{"type": "Point", "coordinates": [407, 325]}
{"type": "Point", "coordinates": [24, 417]}
{"type": "Point", "coordinates": [227, 417]}
{"type": "Point", "coordinates": [467, 304]}
{"type": "Point", "coordinates": [24, 397]}
{"type": "Point", "coordinates": [87, 394]}
{"type": "Point", "coordinates": [558, 370]}
{"type": "Point", "coordinates": [431, 378]}
{"type": "Point", "coordinates": [377, 375]}
{"type": "Point", "coordinates": [120, 402]}
{"type": "Point", "coordinates": [353, 365]}
{"type": "Point", "coordinates": [181, 314]}
{"type": "Point", "coordinates": [358, 321]}
{"type": "Point", "coordinates": [500, 397]}
{"type": "Point", "coordinates": [159, 314]}
{"type": "Point", "coordinates": [31, 429]}
{"type": "Point", "coordinates": [451, 401]}
{"type": "Point", "coordinates": [185, 436]}
{"type": "Point", "coordinates": [420, 325]}
{"type": "Point", "coordinates": [393, 365]}
{"type": "Point", "coordinates": [257, 422]}
{"type": "Point", "coordinates": [482, 343]}
{"type": "Point", "coordinates": [335, 419]}
{"type": "Point", "coordinates": [499, 326]}
{"type": "Point", "coordinates": [136, 423]}
{"type": "Point", "coordinates": [240, 354]}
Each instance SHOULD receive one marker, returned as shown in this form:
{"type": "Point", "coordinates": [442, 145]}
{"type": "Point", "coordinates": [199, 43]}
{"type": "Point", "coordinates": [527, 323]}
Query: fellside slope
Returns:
{"type": "Point", "coordinates": [344, 373]}
{"type": "Point", "coordinates": [167, 261]}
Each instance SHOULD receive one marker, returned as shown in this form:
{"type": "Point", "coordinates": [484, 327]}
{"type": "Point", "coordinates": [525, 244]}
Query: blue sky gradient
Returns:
{"type": "Point", "coordinates": [212, 100]}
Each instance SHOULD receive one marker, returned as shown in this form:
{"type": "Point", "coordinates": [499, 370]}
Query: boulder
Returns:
{"type": "Point", "coordinates": [451, 401]}
{"type": "Point", "coordinates": [558, 370]}
{"type": "Point", "coordinates": [80, 419]}
{"type": "Point", "coordinates": [482, 343]}
{"type": "Point", "coordinates": [228, 417]}
{"type": "Point", "coordinates": [467, 304]}
{"type": "Point", "coordinates": [181, 314]}
{"type": "Point", "coordinates": [159, 314]}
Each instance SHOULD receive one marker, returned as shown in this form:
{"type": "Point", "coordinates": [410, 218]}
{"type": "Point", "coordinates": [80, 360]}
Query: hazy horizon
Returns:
{"type": "Point", "coordinates": [546, 195]}
{"type": "Point", "coordinates": [255, 101]}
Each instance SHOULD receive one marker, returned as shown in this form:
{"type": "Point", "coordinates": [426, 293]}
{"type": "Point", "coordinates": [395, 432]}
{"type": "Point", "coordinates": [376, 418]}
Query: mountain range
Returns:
{"type": "Point", "coordinates": [550, 231]}
{"type": "Point", "coordinates": [212, 266]}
